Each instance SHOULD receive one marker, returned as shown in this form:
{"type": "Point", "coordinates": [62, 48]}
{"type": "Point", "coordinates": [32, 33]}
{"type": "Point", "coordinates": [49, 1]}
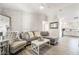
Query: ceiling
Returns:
{"type": "Point", "coordinates": [34, 6]}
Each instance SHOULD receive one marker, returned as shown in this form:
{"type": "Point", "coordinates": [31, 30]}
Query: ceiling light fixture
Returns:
{"type": "Point", "coordinates": [41, 7]}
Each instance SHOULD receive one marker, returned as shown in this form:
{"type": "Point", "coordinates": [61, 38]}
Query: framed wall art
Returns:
{"type": "Point", "coordinates": [53, 25]}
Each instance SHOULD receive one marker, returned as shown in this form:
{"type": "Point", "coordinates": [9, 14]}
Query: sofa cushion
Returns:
{"type": "Point", "coordinates": [33, 38]}
{"type": "Point", "coordinates": [16, 44]}
{"type": "Point", "coordinates": [12, 36]}
{"type": "Point", "coordinates": [13, 40]}
{"type": "Point", "coordinates": [20, 35]}
{"type": "Point", "coordinates": [31, 34]}
{"type": "Point", "coordinates": [44, 33]}
{"type": "Point", "coordinates": [37, 34]}
{"type": "Point", "coordinates": [25, 36]}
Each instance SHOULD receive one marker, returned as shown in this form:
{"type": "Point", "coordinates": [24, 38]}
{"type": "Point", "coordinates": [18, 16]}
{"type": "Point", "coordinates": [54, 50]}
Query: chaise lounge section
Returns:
{"type": "Point", "coordinates": [15, 44]}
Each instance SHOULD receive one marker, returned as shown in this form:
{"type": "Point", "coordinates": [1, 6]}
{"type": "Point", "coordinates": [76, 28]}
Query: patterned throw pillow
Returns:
{"type": "Point", "coordinates": [31, 34]}
{"type": "Point", "coordinates": [37, 34]}
{"type": "Point", "coordinates": [12, 36]}
{"type": "Point", "coordinates": [25, 36]}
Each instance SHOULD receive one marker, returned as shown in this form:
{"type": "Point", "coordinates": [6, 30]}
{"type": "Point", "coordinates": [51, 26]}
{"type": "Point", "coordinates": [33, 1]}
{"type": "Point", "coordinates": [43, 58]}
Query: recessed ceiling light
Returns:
{"type": "Point", "coordinates": [41, 7]}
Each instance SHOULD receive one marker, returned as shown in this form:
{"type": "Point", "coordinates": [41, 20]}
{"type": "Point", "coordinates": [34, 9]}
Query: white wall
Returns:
{"type": "Point", "coordinates": [32, 21]}
{"type": "Point", "coordinates": [24, 21]}
{"type": "Point", "coordinates": [52, 17]}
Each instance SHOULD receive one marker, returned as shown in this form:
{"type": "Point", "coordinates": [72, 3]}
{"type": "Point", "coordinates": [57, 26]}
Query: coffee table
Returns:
{"type": "Point", "coordinates": [35, 45]}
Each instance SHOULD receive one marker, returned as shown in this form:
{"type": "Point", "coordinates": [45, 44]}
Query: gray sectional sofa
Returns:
{"type": "Point", "coordinates": [32, 35]}
{"type": "Point", "coordinates": [21, 40]}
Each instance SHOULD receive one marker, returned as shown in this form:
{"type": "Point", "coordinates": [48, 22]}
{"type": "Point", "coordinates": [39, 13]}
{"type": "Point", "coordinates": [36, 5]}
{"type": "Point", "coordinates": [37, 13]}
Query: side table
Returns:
{"type": "Point", "coordinates": [4, 47]}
